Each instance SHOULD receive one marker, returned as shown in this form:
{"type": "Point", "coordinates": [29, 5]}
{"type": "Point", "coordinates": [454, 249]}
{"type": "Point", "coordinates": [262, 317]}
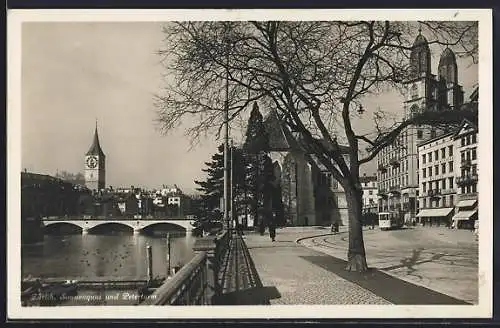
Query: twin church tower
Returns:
{"type": "Point", "coordinates": [95, 165]}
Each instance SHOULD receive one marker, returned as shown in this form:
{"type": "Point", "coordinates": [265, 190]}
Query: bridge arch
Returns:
{"type": "Point", "coordinates": [62, 227]}
{"type": "Point", "coordinates": [102, 225]}
{"type": "Point", "coordinates": [170, 225]}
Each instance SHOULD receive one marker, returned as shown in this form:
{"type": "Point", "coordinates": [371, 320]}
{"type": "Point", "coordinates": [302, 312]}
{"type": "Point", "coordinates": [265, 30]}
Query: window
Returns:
{"type": "Point", "coordinates": [450, 167]}
{"type": "Point", "coordinates": [450, 151]}
{"type": "Point", "coordinates": [451, 200]}
{"type": "Point", "coordinates": [462, 190]}
{"type": "Point", "coordinates": [474, 153]}
{"type": "Point", "coordinates": [462, 156]}
{"type": "Point", "coordinates": [430, 157]}
{"type": "Point", "coordinates": [443, 152]}
{"type": "Point", "coordinates": [433, 133]}
{"type": "Point", "coordinates": [436, 155]}
{"type": "Point", "coordinates": [468, 139]}
{"type": "Point", "coordinates": [443, 184]}
{"type": "Point", "coordinates": [430, 171]}
{"type": "Point", "coordinates": [443, 168]}
{"type": "Point", "coordinates": [474, 188]}
{"type": "Point", "coordinates": [424, 203]}
{"type": "Point", "coordinates": [420, 134]}
{"type": "Point", "coordinates": [462, 141]}
{"type": "Point", "coordinates": [450, 182]}
{"type": "Point", "coordinates": [436, 169]}
{"type": "Point", "coordinates": [424, 175]}
{"type": "Point", "coordinates": [424, 158]}
{"type": "Point", "coordinates": [474, 140]}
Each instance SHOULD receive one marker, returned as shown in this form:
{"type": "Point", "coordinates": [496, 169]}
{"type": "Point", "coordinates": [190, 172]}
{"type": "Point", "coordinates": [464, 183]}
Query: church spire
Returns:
{"type": "Point", "coordinates": [95, 148]}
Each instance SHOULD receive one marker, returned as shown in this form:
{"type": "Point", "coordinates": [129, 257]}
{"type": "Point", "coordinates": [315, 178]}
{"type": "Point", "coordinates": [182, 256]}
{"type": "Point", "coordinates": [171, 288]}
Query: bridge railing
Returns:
{"type": "Point", "coordinates": [199, 281]}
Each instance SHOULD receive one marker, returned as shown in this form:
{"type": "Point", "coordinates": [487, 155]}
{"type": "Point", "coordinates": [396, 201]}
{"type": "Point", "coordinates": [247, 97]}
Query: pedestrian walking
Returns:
{"type": "Point", "coordinates": [306, 221]}
{"type": "Point", "coordinates": [272, 231]}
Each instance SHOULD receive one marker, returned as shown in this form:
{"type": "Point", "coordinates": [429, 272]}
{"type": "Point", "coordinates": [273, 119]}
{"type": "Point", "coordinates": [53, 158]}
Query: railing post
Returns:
{"type": "Point", "coordinates": [214, 247]}
{"type": "Point", "coordinates": [150, 264]}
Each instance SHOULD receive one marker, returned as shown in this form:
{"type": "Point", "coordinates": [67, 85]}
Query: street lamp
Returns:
{"type": "Point", "coordinates": [226, 135]}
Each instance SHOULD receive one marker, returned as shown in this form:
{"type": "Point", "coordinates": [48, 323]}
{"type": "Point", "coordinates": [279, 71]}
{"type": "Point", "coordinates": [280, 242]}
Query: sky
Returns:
{"type": "Point", "coordinates": [76, 73]}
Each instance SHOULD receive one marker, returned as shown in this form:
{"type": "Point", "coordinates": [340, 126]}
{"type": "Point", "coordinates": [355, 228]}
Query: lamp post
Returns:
{"type": "Point", "coordinates": [226, 136]}
{"type": "Point", "coordinates": [231, 186]}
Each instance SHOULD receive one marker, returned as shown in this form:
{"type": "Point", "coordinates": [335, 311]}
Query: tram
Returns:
{"type": "Point", "coordinates": [388, 220]}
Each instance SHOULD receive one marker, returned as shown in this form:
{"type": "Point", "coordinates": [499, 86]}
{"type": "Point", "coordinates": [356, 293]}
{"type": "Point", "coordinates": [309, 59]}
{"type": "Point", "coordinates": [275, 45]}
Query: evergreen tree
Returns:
{"type": "Point", "coordinates": [212, 189]}
{"type": "Point", "coordinates": [255, 146]}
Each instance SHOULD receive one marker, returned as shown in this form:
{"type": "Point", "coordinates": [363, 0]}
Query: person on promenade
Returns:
{"type": "Point", "coordinates": [272, 231]}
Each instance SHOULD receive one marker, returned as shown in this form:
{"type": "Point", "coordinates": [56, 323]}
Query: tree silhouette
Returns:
{"type": "Point", "coordinates": [315, 74]}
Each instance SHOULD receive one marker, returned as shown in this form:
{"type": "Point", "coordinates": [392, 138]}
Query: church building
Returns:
{"type": "Point", "coordinates": [310, 195]}
{"type": "Point", "coordinates": [95, 165]}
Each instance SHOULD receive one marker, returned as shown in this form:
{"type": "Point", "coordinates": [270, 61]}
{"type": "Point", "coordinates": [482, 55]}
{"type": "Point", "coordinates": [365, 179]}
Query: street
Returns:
{"type": "Point", "coordinates": [440, 259]}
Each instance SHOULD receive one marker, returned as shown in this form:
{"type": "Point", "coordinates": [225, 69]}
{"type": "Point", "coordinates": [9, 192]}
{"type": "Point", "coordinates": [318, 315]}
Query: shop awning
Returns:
{"type": "Point", "coordinates": [435, 212]}
{"type": "Point", "coordinates": [464, 215]}
{"type": "Point", "coordinates": [467, 203]}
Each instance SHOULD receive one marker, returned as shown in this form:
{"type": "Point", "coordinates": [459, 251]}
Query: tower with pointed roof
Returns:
{"type": "Point", "coordinates": [95, 165]}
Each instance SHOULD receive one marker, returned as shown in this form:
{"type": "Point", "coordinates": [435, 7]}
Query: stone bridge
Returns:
{"type": "Point", "coordinates": [136, 224]}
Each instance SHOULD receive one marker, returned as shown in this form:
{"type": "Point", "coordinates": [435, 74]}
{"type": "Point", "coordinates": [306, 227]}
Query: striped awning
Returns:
{"type": "Point", "coordinates": [464, 215]}
{"type": "Point", "coordinates": [435, 212]}
{"type": "Point", "coordinates": [467, 203]}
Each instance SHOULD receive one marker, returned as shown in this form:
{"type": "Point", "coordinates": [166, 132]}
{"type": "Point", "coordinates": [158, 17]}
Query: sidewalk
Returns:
{"type": "Point", "coordinates": [286, 266]}
{"type": "Point", "coordinates": [304, 276]}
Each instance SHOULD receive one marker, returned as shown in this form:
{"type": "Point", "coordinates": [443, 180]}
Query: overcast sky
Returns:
{"type": "Point", "coordinates": [75, 73]}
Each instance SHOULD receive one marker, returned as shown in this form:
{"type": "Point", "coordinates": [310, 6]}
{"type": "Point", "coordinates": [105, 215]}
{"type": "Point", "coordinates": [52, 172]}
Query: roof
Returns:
{"type": "Point", "coordinates": [447, 57]}
{"type": "Point", "coordinates": [279, 139]}
{"type": "Point", "coordinates": [420, 40]}
{"type": "Point", "coordinates": [438, 137]}
{"type": "Point", "coordinates": [95, 148]}
{"type": "Point", "coordinates": [368, 178]}
{"type": "Point", "coordinates": [464, 123]}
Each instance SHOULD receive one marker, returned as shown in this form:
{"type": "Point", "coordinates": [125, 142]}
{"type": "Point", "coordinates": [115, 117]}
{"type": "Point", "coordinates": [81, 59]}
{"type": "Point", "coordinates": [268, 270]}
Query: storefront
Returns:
{"type": "Point", "coordinates": [435, 216]}
{"type": "Point", "coordinates": [464, 219]}
{"type": "Point", "coordinates": [465, 214]}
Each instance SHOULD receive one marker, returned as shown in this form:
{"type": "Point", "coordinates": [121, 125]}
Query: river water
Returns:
{"type": "Point", "coordinates": [119, 256]}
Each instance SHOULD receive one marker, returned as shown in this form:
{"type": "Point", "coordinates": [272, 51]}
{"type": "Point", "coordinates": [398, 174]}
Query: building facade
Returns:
{"type": "Point", "coordinates": [95, 165]}
{"type": "Point", "coordinates": [437, 185]}
{"type": "Point", "coordinates": [370, 193]}
{"type": "Point", "coordinates": [397, 164]}
{"type": "Point", "coordinates": [466, 158]}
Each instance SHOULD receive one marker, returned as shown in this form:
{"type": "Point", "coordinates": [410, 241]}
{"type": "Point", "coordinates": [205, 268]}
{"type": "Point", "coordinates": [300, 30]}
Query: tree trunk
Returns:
{"type": "Point", "coordinates": [356, 257]}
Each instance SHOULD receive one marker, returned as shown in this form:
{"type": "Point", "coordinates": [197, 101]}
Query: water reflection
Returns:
{"type": "Point", "coordinates": [91, 256]}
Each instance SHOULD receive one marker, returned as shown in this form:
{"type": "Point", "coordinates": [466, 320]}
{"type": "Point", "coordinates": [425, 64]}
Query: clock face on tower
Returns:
{"type": "Point", "coordinates": [92, 162]}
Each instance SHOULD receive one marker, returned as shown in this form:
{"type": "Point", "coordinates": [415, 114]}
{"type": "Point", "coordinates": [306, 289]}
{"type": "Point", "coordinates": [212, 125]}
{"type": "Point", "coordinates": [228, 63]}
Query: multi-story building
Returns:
{"type": "Point", "coordinates": [465, 144]}
{"type": "Point", "coordinates": [397, 164]}
{"type": "Point", "coordinates": [370, 193]}
{"type": "Point", "coordinates": [437, 193]}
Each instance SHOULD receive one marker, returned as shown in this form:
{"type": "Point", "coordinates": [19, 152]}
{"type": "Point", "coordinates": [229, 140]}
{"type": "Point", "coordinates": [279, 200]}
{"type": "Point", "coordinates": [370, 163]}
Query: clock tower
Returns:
{"type": "Point", "coordinates": [95, 165]}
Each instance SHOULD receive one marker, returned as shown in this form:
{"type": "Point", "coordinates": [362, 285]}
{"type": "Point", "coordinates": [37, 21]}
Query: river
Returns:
{"type": "Point", "coordinates": [120, 256]}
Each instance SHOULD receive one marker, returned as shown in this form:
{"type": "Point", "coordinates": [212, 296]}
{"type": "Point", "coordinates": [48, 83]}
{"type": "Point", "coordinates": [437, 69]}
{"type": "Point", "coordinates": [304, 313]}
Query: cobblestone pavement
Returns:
{"type": "Point", "coordinates": [441, 259]}
{"type": "Point", "coordinates": [286, 266]}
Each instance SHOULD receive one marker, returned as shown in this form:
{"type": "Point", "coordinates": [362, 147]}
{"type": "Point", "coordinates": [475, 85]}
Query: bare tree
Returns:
{"type": "Point", "coordinates": [315, 74]}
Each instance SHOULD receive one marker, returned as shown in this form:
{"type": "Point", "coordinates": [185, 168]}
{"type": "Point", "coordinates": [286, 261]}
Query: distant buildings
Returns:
{"type": "Point", "coordinates": [448, 178]}
{"type": "Point", "coordinates": [398, 165]}
{"type": "Point", "coordinates": [370, 193]}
